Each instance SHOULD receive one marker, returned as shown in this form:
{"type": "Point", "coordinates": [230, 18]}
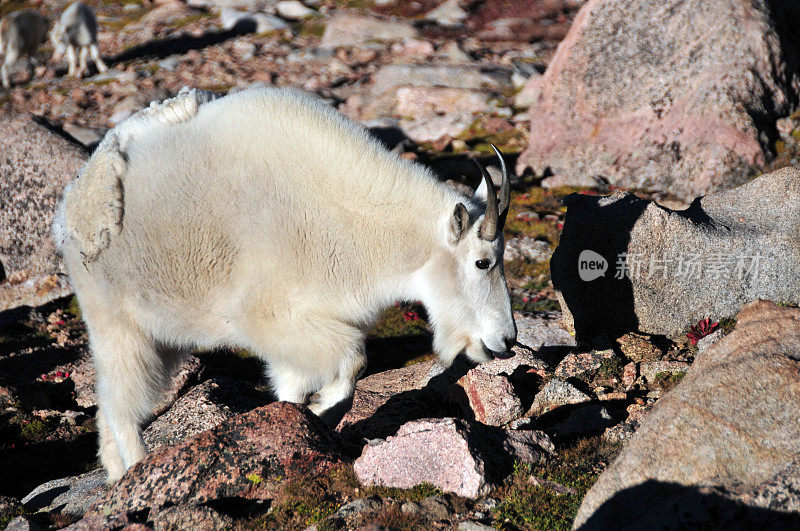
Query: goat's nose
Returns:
{"type": "Point", "coordinates": [510, 342]}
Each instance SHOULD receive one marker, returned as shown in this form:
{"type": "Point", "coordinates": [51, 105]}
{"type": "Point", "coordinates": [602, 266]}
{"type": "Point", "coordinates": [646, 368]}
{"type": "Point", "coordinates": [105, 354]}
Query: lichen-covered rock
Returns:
{"type": "Point", "coordinates": [83, 374]}
{"type": "Point", "coordinates": [579, 363]}
{"type": "Point", "coordinates": [201, 408]}
{"type": "Point", "coordinates": [665, 270]}
{"type": "Point", "coordinates": [34, 167]}
{"type": "Point", "coordinates": [248, 456]}
{"type": "Point", "coordinates": [536, 333]}
{"type": "Point", "coordinates": [191, 517]}
{"type": "Point", "coordinates": [676, 95]}
{"type": "Point", "coordinates": [733, 422]}
{"type": "Point", "coordinates": [386, 400]}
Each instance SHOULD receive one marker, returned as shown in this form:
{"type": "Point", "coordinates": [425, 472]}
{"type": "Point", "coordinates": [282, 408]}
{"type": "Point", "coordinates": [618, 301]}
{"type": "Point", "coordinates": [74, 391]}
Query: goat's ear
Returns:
{"type": "Point", "coordinates": [459, 222]}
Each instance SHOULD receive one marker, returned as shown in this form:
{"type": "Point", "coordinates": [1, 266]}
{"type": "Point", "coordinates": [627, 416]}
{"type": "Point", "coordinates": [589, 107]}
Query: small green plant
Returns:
{"type": "Point", "coordinates": [525, 304]}
{"type": "Point", "coordinates": [254, 478]}
{"type": "Point", "coordinates": [37, 429]}
{"type": "Point", "coordinates": [73, 308]}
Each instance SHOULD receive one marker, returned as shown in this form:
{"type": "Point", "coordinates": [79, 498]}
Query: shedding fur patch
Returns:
{"type": "Point", "coordinates": [94, 204]}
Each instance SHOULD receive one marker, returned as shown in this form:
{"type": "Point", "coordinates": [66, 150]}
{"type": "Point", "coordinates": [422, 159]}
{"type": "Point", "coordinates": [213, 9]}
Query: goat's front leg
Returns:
{"type": "Point", "coordinates": [4, 75]}
{"type": "Point", "coordinates": [335, 398]}
{"type": "Point", "coordinates": [324, 357]}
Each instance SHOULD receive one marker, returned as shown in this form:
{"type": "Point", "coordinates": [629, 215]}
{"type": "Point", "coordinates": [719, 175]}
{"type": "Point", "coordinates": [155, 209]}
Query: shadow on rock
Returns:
{"type": "Point", "coordinates": [428, 402]}
{"type": "Point", "coordinates": [183, 43]}
{"type": "Point", "coordinates": [657, 505]}
{"type": "Point", "coordinates": [601, 225]}
{"type": "Point", "coordinates": [24, 467]}
{"type": "Point", "coordinates": [626, 263]}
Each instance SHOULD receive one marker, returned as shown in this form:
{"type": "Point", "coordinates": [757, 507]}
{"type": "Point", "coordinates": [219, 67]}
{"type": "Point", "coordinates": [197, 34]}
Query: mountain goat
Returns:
{"type": "Point", "coordinates": [266, 220]}
{"type": "Point", "coordinates": [21, 34]}
{"type": "Point", "coordinates": [77, 28]}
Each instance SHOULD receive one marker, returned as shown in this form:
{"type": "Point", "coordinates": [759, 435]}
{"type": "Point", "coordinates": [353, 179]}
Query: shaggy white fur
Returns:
{"type": "Point", "coordinates": [264, 220]}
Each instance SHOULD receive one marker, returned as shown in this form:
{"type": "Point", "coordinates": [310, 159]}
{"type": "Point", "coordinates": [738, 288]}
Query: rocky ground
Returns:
{"type": "Point", "coordinates": [512, 444]}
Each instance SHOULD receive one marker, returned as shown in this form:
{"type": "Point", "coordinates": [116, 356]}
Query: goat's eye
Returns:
{"type": "Point", "coordinates": [483, 264]}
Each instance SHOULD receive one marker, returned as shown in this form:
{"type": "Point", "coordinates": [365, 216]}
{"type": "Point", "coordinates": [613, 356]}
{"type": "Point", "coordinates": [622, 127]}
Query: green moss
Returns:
{"type": "Point", "coordinates": [194, 17]}
{"type": "Point", "coordinates": [220, 88]}
{"type": "Point", "coordinates": [357, 4]}
{"type": "Point", "coordinates": [511, 139]}
{"type": "Point", "coordinates": [529, 506]}
{"type": "Point", "coordinates": [667, 380]}
{"type": "Point", "coordinates": [313, 27]}
{"type": "Point", "coordinates": [727, 324]}
{"type": "Point", "coordinates": [393, 517]}
{"type": "Point", "coordinates": [307, 500]}
{"type": "Point", "coordinates": [416, 493]}
{"type": "Point", "coordinates": [610, 367]}
{"type": "Point", "coordinates": [6, 517]}
{"type": "Point", "coordinates": [533, 305]}
{"type": "Point", "coordinates": [128, 17]}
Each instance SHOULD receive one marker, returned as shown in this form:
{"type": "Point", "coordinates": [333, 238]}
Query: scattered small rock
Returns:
{"type": "Point", "coordinates": [352, 30]}
{"type": "Point", "coordinates": [527, 248]}
{"type": "Point", "coordinates": [293, 10]}
{"type": "Point", "coordinates": [554, 394]}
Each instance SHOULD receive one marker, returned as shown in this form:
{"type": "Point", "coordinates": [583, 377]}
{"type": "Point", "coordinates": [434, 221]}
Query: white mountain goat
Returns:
{"type": "Point", "coordinates": [267, 221]}
{"type": "Point", "coordinates": [77, 28]}
{"type": "Point", "coordinates": [21, 34]}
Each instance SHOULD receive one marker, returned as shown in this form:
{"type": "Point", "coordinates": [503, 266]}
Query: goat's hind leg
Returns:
{"type": "Point", "coordinates": [82, 66]}
{"type": "Point", "coordinates": [98, 62]}
{"type": "Point", "coordinates": [131, 376]}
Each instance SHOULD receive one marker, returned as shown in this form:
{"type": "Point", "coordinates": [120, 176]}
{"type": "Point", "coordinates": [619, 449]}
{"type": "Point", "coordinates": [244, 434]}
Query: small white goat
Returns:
{"type": "Point", "coordinates": [21, 34]}
{"type": "Point", "coordinates": [77, 28]}
{"type": "Point", "coordinates": [265, 220]}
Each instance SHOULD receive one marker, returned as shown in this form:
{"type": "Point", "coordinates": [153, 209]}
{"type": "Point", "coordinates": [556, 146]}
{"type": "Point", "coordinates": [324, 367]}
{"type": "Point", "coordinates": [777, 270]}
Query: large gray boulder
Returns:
{"type": "Point", "coordinates": [677, 95]}
{"type": "Point", "coordinates": [35, 164]}
{"type": "Point", "coordinates": [725, 250]}
{"type": "Point", "coordinates": [721, 448]}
